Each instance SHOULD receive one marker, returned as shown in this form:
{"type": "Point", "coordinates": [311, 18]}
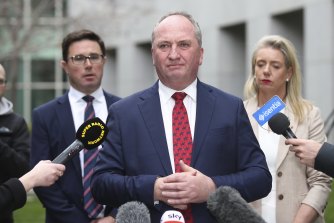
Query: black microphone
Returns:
{"type": "Point", "coordinates": [133, 212]}
{"type": "Point", "coordinates": [227, 206]}
{"type": "Point", "coordinates": [89, 135]}
{"type": "Point", "coordinates": [280, 124]}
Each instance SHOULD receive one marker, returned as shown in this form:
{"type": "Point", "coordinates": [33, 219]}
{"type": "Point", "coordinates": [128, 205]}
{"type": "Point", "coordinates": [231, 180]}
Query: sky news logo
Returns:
{"type": "Point", "coordinates": [268, 110]}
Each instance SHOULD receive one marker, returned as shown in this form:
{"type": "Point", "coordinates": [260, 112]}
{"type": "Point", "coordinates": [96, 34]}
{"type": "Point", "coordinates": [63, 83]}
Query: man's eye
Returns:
{"type": "Point", "coordinates": [163, 46]}
{"type": "Point", "coordinates": [184, 45]}
{"type": "Point", "coordinates": [79, 57]}
{"type": "Point", "coordinates": [94, 56]}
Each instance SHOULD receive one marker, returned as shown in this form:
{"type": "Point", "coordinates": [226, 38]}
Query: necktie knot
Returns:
{"type": "Point", "coordinates": [179, 96]}
{"type": "Point", "coordinates": [88, 98]}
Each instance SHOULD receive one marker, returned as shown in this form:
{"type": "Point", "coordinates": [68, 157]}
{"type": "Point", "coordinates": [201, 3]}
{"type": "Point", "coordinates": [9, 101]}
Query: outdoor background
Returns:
{"type": "Point", "coordinates": [31, 32]}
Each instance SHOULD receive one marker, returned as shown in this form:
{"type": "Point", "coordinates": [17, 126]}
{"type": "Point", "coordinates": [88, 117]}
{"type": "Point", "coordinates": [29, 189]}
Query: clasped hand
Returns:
{"type": "Point", "coordinates": [180, 189]}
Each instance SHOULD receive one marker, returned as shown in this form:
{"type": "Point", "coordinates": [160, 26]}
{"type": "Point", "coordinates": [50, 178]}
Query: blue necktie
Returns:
{"type": "Point", "coordinates": [92, 208]}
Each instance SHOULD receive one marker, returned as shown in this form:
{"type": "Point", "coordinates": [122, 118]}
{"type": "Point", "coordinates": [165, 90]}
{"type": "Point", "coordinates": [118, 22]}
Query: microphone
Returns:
{"type": "Point", "coordinates": [133, 212]}
{"type": "Point", "coordinates": [172, 216]}
{"type": "Point", "coordinates": [89, 135]}
{"type": "Point", "coordinates": [227, 206]}
{"type": "Point", "coordinates": [279, 124]}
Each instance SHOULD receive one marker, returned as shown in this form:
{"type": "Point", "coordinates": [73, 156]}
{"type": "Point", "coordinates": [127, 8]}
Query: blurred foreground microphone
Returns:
{"type": "Point", "coordinates": [172, 217]}
{"type": "Point", "coordinates": [228, 206]}
{"type": "Point", "coordinates": [133, 212]}
{"type": "Point", "coordinates": [280, 125]}
{"type": "Point", "coordinates": [89, 135]}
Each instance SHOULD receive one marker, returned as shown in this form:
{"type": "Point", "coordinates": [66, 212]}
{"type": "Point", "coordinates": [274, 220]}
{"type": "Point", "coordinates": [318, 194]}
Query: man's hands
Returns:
{"type": "Point", "coordinates": [180, 189]}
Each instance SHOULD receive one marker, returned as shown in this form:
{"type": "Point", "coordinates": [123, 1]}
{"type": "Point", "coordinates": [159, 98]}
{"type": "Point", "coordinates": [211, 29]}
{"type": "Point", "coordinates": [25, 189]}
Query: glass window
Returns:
{"type": "Point", "coordinates": [10, 8]}
{"type": "Point", "coordinates": [46, 8]}
{"type": "Point", "coordinates": [43, 70]}
{"type": "Point", "coordinates": [39, 97]}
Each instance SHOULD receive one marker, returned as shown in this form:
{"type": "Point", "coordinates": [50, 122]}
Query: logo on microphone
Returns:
{"type": "Point", "coordinates": [92, 133]}
{"type": "Point", "coordinates": [172, 217]}
{"type": "Point", "coordinates": [268, 110]}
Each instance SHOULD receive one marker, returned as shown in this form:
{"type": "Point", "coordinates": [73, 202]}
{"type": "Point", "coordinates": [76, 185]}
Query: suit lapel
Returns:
{"type": "Point", "coordinates": [67, 127]}
{"type": "Point", "coordinates": [282, 148]}
{"type": "Point", "coordinates": [151, 111]}
{"type": "Point", "coordinates": [204, 111]}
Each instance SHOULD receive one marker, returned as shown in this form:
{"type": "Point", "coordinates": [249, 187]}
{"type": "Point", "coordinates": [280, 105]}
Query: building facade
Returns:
{"type": "Point", "coordinates": [230, 30]}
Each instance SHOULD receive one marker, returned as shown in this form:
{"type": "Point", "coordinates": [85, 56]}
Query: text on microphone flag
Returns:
{"type": "Point", "coordinates": [268, 110]}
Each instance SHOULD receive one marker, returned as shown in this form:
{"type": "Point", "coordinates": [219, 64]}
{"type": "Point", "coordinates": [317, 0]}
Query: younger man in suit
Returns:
{"type": "Point", "coordinates": [55, 123]}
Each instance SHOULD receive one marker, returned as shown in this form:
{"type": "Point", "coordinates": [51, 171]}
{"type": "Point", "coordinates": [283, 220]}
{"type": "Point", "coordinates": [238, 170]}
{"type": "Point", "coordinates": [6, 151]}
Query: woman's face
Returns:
{"type": "Point", "coordinates": [271, 72]}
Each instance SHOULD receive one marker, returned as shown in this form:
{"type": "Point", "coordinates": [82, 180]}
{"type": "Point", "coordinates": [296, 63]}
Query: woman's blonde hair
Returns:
{"type": "Point", "coordinates": [299, 105]}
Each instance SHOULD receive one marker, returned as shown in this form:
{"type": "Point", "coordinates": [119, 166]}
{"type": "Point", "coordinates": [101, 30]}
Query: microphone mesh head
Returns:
{"type": "Point", "coordinates": [133, 211]}
{"type": "Point", "coordinates": [279, 123]}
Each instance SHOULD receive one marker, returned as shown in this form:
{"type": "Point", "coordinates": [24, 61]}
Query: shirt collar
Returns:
{"type": "Point", "coordinates": [77, 95]}
{"type": "Point", "coordinates": [166, 92]}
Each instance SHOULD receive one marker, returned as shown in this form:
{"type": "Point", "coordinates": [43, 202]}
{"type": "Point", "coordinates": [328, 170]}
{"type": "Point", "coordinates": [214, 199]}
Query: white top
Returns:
{"type": "Point", "coordinates": [78, 106]}
{"type": "Point", "coordinates": [269, 141]}
{"type": "Point", "coordinates": [167, 104]}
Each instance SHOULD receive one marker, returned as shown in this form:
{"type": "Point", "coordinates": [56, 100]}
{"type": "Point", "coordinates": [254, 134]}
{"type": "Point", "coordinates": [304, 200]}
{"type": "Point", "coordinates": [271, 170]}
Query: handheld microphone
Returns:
{"type": "Point", "coordinates": [227, 205]}
{"type": "Point", "coordinates": [133, 211]}
{"type": "Point", "coordinates": [172, 217]}
{"type": "Point", "coordinates": [89, 135]}
{"type": "Point", "coordinates": [279, 124]}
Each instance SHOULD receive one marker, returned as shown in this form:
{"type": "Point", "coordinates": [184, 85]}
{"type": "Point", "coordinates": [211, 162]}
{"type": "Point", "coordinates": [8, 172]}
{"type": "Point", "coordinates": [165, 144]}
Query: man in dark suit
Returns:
{"type": "Point", "coordinates": [139, 160]}
{"type": "Point", "coordinates": [54, 125]}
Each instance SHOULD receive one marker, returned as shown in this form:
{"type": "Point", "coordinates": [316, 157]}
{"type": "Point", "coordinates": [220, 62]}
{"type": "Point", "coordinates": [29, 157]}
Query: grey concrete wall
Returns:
{"type": "Point", "coordinates": [230, 30]}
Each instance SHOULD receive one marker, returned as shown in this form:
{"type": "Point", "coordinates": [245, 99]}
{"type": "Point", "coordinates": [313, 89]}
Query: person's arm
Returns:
{"type": "Point", "coordinates": [44, 174]}
{"type": "Point", "coordinates": [305, 150]}
{"type": "Point", "coordinates": [324, 160]}
{"type": "Point", "coordinates": [12, 195]}
{"type": "Point", "coordinates": [313, 154]}
{"type": "Point", "coordinates": [13, 192]}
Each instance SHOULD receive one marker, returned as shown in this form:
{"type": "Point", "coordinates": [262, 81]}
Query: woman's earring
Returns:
{"type": "Point", "coordinates": [287, 80]}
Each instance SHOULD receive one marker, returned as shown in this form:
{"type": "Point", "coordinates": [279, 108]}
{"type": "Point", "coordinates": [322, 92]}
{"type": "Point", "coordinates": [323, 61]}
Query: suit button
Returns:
{"type": "Point", "coordinates": [279, 174]}
{"type": "Point", "coordinates": [280, 197]}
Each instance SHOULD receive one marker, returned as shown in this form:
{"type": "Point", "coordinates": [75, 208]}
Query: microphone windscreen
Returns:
{"type": "Point", "coordinates": [279, 123]}
{"type": "Point", "coordinates": [133, 211]}
{"type": "Point", "coordinates": [172, 216]}
{"type": "Point", "coordinates": [227, 206]}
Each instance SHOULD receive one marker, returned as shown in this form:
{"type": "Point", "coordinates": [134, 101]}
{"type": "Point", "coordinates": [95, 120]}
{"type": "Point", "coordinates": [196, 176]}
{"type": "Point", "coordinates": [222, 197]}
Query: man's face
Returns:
{"type": "Point", "coordinates": [84, 74]}
{"type": "Point", "coordinates": [176, 52]}
{"type": "Point", "coordinates": [2, 81]}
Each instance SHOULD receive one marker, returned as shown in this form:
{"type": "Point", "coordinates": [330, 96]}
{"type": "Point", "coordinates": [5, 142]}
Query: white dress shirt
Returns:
{"type": "Point", "coordinates": [167, 104]}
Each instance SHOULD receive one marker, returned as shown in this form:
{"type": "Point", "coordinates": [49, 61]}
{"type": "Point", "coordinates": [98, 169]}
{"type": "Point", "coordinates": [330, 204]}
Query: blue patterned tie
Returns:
{"type": "Point", "coordinates": [92, 208]}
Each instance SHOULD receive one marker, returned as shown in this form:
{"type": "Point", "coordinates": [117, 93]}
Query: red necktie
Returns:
{"type": "Point", "coordinates": [182, 140]}
{"type": "Point", "coordinates": [93, 209]}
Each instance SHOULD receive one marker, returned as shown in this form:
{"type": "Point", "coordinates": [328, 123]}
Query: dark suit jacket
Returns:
{"type": "Point", "coordinates": [325, 159]}
{"type": "Point", "coordinates": [135, 151]}
{"type": "Point", "coordinates": [53, 130]}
